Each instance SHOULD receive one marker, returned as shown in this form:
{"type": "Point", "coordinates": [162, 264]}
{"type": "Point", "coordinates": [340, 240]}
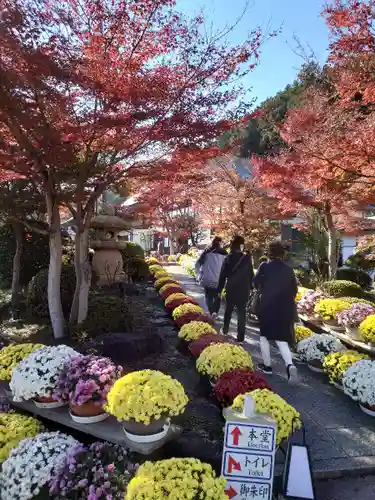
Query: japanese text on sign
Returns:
{"type": "Point", "coordinates": [252, 465]}
{"type": "Point", "coordinates": [237, 490]}
{"type": "Point", "coordinates": [250, 437]}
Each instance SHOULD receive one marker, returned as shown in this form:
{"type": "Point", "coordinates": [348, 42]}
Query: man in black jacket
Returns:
{"type": "Point", "coordinates": [236, 276]}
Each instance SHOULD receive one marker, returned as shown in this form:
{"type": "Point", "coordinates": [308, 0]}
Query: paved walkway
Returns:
{"type": "Point", "coordinates": [341, 437]}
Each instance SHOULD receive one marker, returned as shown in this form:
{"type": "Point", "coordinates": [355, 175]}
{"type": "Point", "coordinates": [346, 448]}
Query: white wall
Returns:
{"type": "Point", "coordinates": [348, 246]}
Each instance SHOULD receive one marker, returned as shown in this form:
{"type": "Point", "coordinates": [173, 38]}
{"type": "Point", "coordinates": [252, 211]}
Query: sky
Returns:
{"type": "Point", "coordinates": [278, 63]}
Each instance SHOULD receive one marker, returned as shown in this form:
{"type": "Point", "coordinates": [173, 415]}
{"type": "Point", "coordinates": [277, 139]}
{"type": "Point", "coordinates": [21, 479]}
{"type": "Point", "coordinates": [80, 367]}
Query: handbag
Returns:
{"type": "Point", "coordinates": [255, 303]}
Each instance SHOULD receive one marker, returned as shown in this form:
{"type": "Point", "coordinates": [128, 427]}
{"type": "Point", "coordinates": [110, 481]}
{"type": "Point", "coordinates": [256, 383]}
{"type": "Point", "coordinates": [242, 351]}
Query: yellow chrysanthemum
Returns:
{"type": "Point", "coordinates": [186, 308]}
{"type": "Point", "coordinates": [328, 308]}
{"type": "Point", "coordinates": [217, 359]}
{"type": "Point", "coordinates": [162, 274]}
{"type": "Point", "coordinates": [14, 427]}
{"type": "Point", "coordinates": [155, 268]}
{"type": "Point", "coordinates": [145, 395]}
{"type": "Point", "coordinates": [176, 479]}
{"type": "Point", "coordinates": [174, 296]}
{"type": "Point", "coordinates": [194, 330]}
{"type": "Point", "coordinates": [168, 286]}
{"type": "Point", "coordinates": [301, 332]}
{"type": "Point", "coordinates": [162, 281]}
{"type": "Point", "coordinates": [13, 354]}
{"type": "Point", "coordinates": [336, 363]}
{"type": "Point", "coordinates": [286, 416]}
{"type": "Point", "coordinates": [367, 328]}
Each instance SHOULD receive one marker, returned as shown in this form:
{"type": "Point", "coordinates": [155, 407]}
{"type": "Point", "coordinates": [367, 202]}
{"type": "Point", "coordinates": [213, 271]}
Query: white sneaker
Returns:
{"type": "Point", "coordinates": [292, 373]}
{"type": "Point", "coordinates": [214, 316]}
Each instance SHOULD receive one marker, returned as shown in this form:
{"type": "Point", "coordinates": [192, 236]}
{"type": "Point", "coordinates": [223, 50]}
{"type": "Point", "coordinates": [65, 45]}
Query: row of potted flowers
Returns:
{"type": "Point", "coordinates": [353, 315]}
{"type": "Point", "coordinates": [347, 369]}
{"type": "Point", "coordinates": [228, 367]}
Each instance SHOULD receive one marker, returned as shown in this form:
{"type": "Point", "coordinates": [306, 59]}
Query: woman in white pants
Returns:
{"type": "Point", "coordinates": [277, 285]}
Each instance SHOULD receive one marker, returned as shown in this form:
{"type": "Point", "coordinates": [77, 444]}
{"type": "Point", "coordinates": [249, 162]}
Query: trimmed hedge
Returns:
{"type": "Point", "coordinates": [341, 288]}
{"type": "Point", "coordinates": [358, 276]}
{"type": "Point", "coordinates": [137, 269]}
{"type": "Point", "coordinates": [132, 251]}
{"type": "Point", "coordinates": [37, 298]}
{"type": "Point", "coordinates": [106, 314]}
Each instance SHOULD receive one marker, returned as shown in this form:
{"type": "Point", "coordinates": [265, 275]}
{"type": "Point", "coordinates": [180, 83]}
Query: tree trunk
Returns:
{"type": "Point", "coordinates": [73, 316]}
{"type": "Point", "coordinates": [16, 287]}
{"type": "Point", "coordinates": [332, 246]}
{"type": "Point", "coordinates": [85, 268]}
{"type": "Point", "coordinates": [54, 280]}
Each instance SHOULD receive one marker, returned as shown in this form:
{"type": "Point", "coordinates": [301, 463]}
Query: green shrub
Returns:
{"type": "Point", "coordinates": [355, 300]}
{"type": "Point", "coordinates": [370, 297]}
{"type": "Point", "coordinates": [106, 314]}
{"type": "Point", "coordinates": [341, 288]}
{"type": "Point", "coordinates": [35, 255]}
{"type": "Point", "coordinates": [356, 276]}
{"type": "Point", "coordinates": [37, 298]}
{"type": "Point", "coordinates": [137, 269]}
{"type": "Point", "coordinates": [132, 251]}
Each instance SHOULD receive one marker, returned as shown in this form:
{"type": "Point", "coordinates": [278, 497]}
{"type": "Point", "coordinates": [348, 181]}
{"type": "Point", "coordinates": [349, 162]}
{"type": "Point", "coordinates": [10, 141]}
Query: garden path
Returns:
{"type": "Point", "coordinates": [340, 436]}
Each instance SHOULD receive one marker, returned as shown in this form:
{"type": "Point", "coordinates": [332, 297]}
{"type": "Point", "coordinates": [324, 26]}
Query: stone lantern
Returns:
{"type": "Point", "coordinates": [107, 261]}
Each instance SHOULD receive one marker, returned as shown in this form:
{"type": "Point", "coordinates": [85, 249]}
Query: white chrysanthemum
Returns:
{"type": "Point", "coordinates": [37, 374]}
{"type": "Point", "coordinates": [316, 347]}
{"type": "Point", "coordinates": [31, 465]}
{"type": "Point", "coordinates": [359, 382]}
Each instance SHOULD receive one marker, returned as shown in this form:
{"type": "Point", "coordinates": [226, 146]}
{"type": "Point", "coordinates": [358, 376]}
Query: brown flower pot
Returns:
{"type": "Point", "coordinates": [47, 402]}
{"type": "Point", "coordinates": [45, 399]}
{"type": "Point", "coordinates": [89, 409]}
{"type": "Point", "coordinates": [141, 429]}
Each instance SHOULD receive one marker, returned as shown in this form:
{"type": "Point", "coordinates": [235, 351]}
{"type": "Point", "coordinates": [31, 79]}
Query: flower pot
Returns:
{"type": "Point", "coordinates": [332, 324]}
{"type": "Point", "coordinates": [88, 413]}
{"type": "Point", "coordinates": [315, 319]}
{"type": "Point", "coordinates": [47, 402]}
{"type": "Point", "coordinates": [139, 432]}
{"type": "Point", "coordinates": [338, 386]}
{"type": "Point", "coordinates": [353, 332]}
{"type": "Point", "coordinates": [315, 366]}
{"type": "Point", "coordinates": [369, 410]}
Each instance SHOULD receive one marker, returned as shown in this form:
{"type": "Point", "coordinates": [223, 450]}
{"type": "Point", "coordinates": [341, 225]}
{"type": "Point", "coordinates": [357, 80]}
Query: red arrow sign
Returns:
{"type": "Point", "coordinates": [236, 433]}
{"type": "Point", "coordinates": [233, 464]}
{"type": "Point", "coordinates": [231, 492]}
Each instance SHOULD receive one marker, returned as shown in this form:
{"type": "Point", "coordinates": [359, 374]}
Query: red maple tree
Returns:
{"type": "Point", "coordinates": [93, 89]}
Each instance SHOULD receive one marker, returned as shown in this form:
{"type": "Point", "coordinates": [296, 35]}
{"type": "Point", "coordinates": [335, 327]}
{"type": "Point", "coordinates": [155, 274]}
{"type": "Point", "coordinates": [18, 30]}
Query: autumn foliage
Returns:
{"type": "Point", "coordinates": [93, 90]}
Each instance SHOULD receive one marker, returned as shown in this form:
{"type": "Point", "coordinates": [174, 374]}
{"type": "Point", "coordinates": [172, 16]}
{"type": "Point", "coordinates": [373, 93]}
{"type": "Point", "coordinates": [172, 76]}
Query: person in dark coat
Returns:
{"type": "Point", "coordinates": [236, 275]}
{"type": "Point", "coordinates": [277, 285]}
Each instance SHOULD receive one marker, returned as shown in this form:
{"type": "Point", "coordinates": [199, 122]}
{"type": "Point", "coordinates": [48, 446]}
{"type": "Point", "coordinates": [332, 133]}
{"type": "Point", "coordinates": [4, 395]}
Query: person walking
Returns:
{"type": "Point", "coordinates": [236, 276]}
{"type": "Point", "coordinates": [276, 285]}
{"type": "Point", "coordinates": [208, 269]}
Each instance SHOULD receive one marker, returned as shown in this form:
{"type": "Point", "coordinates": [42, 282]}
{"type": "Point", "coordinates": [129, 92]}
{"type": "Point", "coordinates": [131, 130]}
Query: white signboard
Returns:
{"type": "Point", "coordinates": [249, 460]}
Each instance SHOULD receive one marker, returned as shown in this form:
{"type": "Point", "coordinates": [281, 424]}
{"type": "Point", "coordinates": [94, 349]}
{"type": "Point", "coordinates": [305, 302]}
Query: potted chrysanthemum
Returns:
{"type": "Point", "coordinates": [287, 418]}
{"type": "Point", "coordinates": [328, 309]}
{"type": "Point", "coordinates": [85, 382]}
{"type": "Point", "coordinates": [187, 478]}
{"type": "Point", "coordinates": [336, 364]}
{"type": "Point", "coordinates": [176, 299]}
{"type": "Point", "coordinates": [359, 383]}
{"type": "Point", "coordinates": [29, 467]}
{"type": "Point", "coordinates": [217, 359]}
{"type": "Point", "coordinates": [301, 332]}
{"type": "Point", "coordinates": [98, 471]}
{"type": "Point", "coordinates": [155, 268]}
{"type": "Point", "coordinates": [307, 303]}
{"type": "Point", "coordinates": [367, 329]}
{"type": "Point", "coordinates": [315, 348]}
{"type": "Point", "coordinates": [144, 401]}
{"type": "Point", "coordinates": [195, 329]}
{"type": "Point", "coordinates": [239, 381]}
{"type": "Point", "coordinates": [14, 428]}
{"type": "Point", "coordinates": [196, 347]}
{"type": "Point", "coordinates": [36, 376]}
{"type": "Point", "coordinates": [168, 289]}
{"type": "Point", "coordinates": [164, 281]}
{"type": "Point", "coordinates": [11, 355]}
{"type": "Point", "coordinates": [186, 313]}
{"type": "Point", "coordinates": [352, 317]}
